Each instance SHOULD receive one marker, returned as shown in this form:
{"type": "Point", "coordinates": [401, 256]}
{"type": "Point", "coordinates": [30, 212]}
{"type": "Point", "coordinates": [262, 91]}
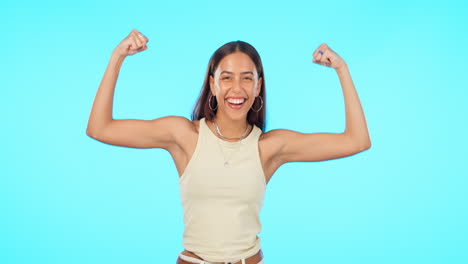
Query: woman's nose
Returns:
{"type": "Point", "coordinates": [237, 84]}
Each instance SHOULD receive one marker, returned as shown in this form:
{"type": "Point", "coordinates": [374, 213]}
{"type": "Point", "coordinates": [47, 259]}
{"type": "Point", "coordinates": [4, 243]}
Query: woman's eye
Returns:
{"type": "Point", "coordinates": [248, 78]}
{"type": "Point", "coordinates": [226, 78]}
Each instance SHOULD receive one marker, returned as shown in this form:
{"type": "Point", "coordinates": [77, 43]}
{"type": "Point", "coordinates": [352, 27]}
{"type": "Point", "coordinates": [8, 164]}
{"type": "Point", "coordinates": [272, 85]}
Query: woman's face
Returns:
{"type": "Point", "coordinates": [235, 84]}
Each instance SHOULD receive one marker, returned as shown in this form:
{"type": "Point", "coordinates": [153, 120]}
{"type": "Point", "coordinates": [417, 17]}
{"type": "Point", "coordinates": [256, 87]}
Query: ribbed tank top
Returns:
{"type": "Point", "coordinates": [222, 203]}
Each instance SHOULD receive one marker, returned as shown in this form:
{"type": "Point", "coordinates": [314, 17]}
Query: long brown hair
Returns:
{"type": "Point", "coordinates": [202, 108]}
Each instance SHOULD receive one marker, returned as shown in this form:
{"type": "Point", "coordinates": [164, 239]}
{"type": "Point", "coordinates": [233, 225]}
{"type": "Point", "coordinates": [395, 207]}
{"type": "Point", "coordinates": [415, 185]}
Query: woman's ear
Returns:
{"type": "Point", "coordinates": [212, 88]}
{"type": "Point", "coordinates": [259, 86]}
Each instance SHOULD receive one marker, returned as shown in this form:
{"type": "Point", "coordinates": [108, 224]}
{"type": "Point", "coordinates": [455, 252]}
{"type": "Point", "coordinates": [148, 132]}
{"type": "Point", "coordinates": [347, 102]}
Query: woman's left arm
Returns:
{"type": "Point", "coordinates": [300, 147]}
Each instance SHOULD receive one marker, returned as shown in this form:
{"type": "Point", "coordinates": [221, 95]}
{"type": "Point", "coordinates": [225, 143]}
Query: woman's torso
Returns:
{"type": "Point", "coordinates": [182, 153]}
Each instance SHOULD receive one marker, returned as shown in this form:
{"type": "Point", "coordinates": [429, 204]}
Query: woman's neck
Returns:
{"type": "Point", "coordinates": [232, 129]}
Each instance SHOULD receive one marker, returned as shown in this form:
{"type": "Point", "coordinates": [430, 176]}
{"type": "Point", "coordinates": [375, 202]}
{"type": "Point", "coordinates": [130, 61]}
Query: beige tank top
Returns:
{"type": "Point", "coordinates": [221, 202]}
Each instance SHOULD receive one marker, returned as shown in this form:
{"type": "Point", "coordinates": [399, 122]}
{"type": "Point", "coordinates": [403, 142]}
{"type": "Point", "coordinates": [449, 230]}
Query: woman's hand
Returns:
{"type": "Point", "coordinates": [324, 55]}
{"type": "Point", "coordinates": [132, 44]}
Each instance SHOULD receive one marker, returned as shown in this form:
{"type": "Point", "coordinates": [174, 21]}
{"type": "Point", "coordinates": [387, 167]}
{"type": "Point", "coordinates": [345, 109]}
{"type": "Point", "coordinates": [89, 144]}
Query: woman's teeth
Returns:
{"type": "Point", "coordinates": [236, 101]}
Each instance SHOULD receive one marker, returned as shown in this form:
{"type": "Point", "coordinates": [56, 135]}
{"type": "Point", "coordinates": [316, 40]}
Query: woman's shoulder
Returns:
{"type": "Point", "coordinates": [187, 124]}
{"type": "Point", "coordinates": [184, 131]}
{"type": "Point", "coordinates": [196, 125]}
{"type": "Point", "coordinates": [272, 136]}
{"type": "Point", "coordinates": [270, 143]}
{"type": "Point", "coordinates": [181, 126]}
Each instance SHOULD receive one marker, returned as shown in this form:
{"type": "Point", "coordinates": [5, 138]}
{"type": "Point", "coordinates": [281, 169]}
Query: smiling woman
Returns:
{"type": "Point", "coordinates": [224, 157]}
{"type": "Point", "coordinates": [227, 78]}
{"type": "Point", "coordinates": [236, 68]}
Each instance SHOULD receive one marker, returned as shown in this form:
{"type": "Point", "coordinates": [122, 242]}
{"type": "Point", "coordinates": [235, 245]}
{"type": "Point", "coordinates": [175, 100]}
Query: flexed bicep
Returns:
{"type": "Point", "coordinates": [300, 147]}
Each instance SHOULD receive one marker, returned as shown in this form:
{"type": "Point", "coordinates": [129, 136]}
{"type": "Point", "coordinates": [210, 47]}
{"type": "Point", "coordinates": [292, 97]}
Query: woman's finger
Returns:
{"type": "Point", "coordinates": [142, 48]}
{"type": "Point", "coordinates": [319, 55]}
{"type": "Point", "coordinates": [138, 38]}
{"type": "Point", "coordinates": [326, 57]}
{"type": "Point", "coordinates": [142, 37]}
{"type": "Point", "coordinates": [316, 52]}
{"type": "Point", "coordinates": [314, 57]}
{"type": "Point", "coordinates": [138, 41]}
{"type": "Point", "coordinates": [323, 47]}
{"type": "Point", "coordinates": [133, 46]}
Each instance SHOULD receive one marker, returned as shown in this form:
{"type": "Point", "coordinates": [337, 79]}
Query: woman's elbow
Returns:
{"type": "Point", "coordinates": [365, 146]}
{"type": "Point", "coordinates": [362, 145]}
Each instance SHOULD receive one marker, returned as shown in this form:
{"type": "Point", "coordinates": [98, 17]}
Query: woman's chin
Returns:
{"type": "Point", "coordinates": [234, 115]}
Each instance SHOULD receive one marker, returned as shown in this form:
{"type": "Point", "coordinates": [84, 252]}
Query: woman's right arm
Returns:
{"type": "Point", "coordinates": [157, 133]}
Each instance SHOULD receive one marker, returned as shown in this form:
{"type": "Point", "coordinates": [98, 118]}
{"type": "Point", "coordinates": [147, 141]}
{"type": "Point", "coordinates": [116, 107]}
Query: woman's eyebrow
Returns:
{"type": "Point", "coordinates": [228, 72]}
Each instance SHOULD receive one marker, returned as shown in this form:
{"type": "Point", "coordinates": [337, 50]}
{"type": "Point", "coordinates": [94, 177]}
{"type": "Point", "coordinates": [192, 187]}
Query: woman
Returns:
{"type": "Point", "coordinates": [223, 157]}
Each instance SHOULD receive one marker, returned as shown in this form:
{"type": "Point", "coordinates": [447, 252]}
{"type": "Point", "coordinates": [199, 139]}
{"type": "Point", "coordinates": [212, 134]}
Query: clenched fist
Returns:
{"type": "Point", "coordinates": [324, 55]}
{"type": "Point", "coordinates": [132, 44]}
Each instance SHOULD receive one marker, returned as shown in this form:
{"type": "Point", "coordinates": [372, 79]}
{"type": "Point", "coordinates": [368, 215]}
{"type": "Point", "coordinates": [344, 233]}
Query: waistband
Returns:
{"type": "Point", "coordinates": [199, 261]}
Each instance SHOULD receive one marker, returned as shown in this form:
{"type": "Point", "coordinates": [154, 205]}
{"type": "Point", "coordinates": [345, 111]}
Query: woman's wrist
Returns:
{"type": "Point", "coordinates": [343, 68]}
{"type": "Point", "coordinates": [117, 57]}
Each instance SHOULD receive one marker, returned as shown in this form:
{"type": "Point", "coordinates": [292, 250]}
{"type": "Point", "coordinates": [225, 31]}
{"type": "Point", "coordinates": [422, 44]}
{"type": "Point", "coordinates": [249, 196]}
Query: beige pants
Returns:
{"type": "Point", "coordinates": [199, 261]}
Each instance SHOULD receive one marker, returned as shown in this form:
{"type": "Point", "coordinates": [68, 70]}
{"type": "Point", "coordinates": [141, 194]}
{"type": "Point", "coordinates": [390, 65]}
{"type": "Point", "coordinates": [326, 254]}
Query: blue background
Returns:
{"type": "Point", "coordinates": [66, 198]}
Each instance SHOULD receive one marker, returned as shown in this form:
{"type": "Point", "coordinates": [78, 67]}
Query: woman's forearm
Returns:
{"type": "Point", "coordinates": [101, 112]}
{"type": "Point", "coordinates": [356, 126]}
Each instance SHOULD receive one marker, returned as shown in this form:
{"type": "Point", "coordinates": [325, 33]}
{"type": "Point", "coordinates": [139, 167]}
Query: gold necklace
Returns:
{"type": "Point", "coordinates": [226, 161]}
{"type": "Point", "coordinates": [221, 134]}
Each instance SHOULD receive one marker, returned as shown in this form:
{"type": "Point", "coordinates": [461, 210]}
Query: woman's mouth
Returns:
{"type": "Point", "coordinates": [236, 103]}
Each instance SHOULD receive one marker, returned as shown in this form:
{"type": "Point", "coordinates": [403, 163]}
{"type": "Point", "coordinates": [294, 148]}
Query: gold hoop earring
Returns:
{"type": "Point", "coordinates": [260, 105]}
{"type": "Point", "coordinates": [209, 103]}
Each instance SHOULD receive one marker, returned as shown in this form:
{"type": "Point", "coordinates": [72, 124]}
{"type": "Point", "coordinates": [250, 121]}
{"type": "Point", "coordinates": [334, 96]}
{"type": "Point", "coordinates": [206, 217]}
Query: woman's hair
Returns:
{"type": "Point", "coordinates": [202, 107]}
